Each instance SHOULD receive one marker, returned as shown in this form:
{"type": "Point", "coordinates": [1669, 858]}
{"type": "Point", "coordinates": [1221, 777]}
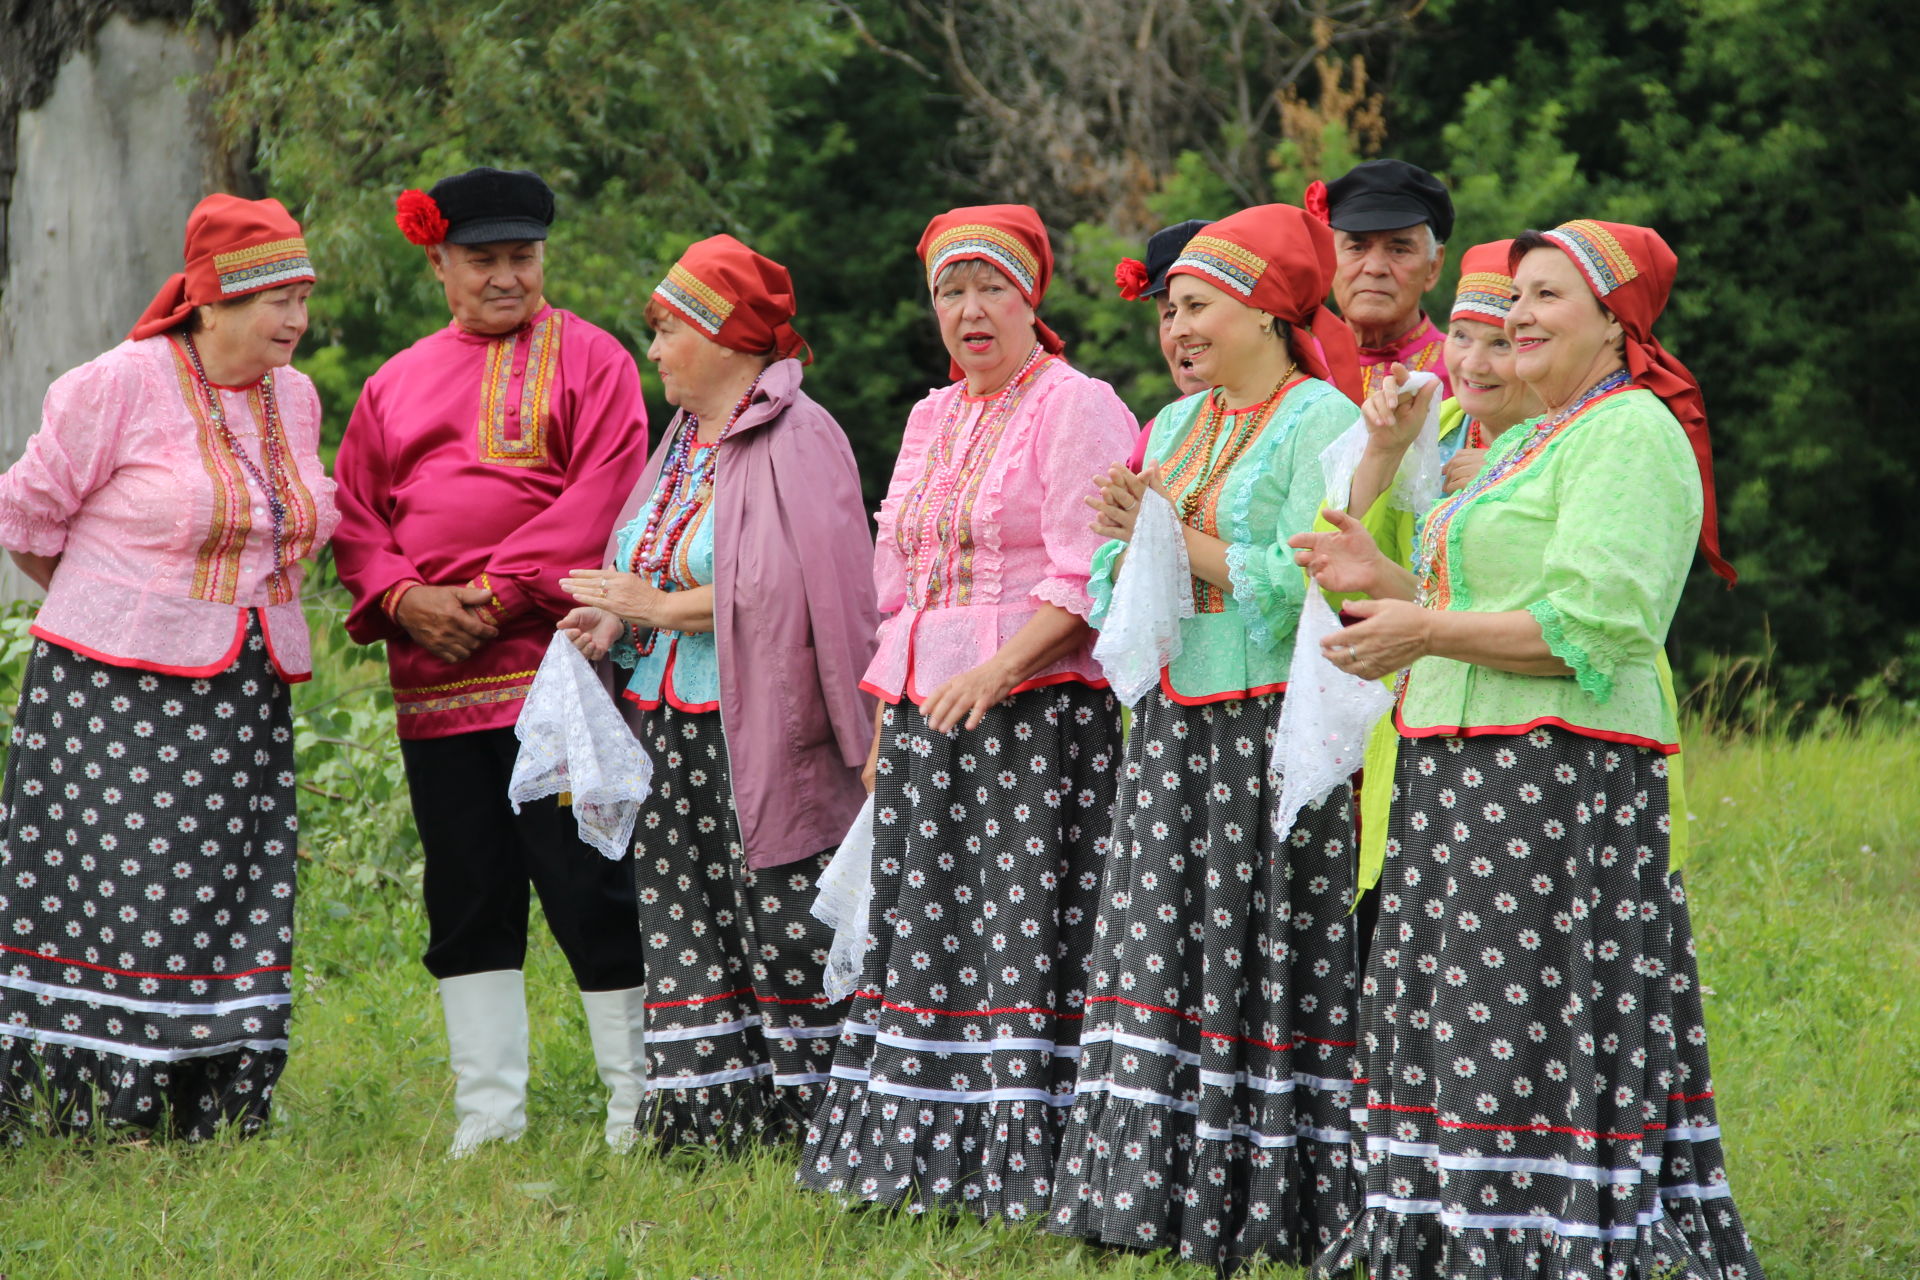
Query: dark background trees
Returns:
{"type": "Point", "coordinates": [1767, 139]}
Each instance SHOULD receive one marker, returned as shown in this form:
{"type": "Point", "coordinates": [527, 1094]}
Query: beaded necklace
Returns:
{"type": "Point", "coordinates": [686, 485]}
{"type": "Point", "coordinates": [273, 483]}
{"type": "Point", "coordinates": [684, 491]}
{"type": "Point", "coordinates": [1429, 553]}
{"type": "Point", "coordinates": [1194, 456]}
{"type": "Point", "coordinates": [936, 511]}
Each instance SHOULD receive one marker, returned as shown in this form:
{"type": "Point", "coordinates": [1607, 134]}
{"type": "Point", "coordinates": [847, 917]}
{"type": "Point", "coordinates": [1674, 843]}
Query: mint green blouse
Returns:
{"type": "Point", "coordinates": [1245, 644]}
{"type": "Point", "coordinates": [1594, 538]}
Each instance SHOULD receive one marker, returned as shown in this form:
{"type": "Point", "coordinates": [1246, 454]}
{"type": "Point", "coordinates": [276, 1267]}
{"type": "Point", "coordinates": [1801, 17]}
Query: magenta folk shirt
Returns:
{"type": "Point", "coordinates": [164, 542]}
{"type": "Point", "coordinates": [497, 462]}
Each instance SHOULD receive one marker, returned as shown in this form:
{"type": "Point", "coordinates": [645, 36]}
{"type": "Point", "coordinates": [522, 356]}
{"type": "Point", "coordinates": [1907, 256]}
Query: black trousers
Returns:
{"type": "Point", "coordinates": [481, 857]}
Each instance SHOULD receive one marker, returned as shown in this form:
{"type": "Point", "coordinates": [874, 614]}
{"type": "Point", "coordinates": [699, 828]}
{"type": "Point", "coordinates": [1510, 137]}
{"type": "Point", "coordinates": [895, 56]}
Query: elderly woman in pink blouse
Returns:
{"type": "Point", "coordinates": [149, 828]}
{"type": "Point", "coordinates": [993, 758]}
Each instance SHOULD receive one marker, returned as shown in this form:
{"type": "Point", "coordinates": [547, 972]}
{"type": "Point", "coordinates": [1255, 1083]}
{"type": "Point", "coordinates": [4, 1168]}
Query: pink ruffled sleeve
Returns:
{"type": "Point", "coordinates": [1084, 429]}
{"type": "Point", "coordinates": [73, 453]}
{"type": "Point", "coordinates": [889, 566]}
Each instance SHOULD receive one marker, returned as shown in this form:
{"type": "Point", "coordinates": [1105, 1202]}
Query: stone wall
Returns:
{"type": "Point", "coordinates": [108, 158]}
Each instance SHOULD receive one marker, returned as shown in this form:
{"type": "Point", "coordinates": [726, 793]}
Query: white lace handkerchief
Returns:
{"type": "Point", "coordinates": [1153, 592]}
{"type": "Point", "coordinates": [1416, 486]}
{"type": "Point", "coordinates": [845, 894]}
{"type": "Point", "coordinates": [572, 738]}
{"type": "Point", "coordinates": [1327, 714]}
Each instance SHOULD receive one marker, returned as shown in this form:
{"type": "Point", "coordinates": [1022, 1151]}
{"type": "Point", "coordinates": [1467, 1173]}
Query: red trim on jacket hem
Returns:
{"type": "Point", "coordinates": [1259, 691]}
{"type": "Point", "coordinates": [279, 667]}
{"type": "Point", "coordinates": [1041, 682]}
{"type": "Point", "coordinates": [1521, 730]}
{"type": "Point", "coordinates": [140, 664]}
{"type": "Point", "coordinates": [666, 690]}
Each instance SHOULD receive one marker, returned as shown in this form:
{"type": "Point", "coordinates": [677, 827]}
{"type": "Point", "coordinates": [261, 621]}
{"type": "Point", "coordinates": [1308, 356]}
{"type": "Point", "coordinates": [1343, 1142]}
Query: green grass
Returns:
{"type": "Point", "coordinates": [1805, 900]}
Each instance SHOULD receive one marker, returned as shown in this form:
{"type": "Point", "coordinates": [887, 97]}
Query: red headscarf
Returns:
{"type": "Point", "coordinates": [1630, 270]}
{"type": "Point", "coordinates": [736, 297]}
{"type": "Point", "coordinates": [234, 247]}
{"type": "Point", "coordinates": [1279, 258]}
{"type": "Point", "coordinates": [1011, 238]}
{"type": "Point", "coordinates": [1485, 291]}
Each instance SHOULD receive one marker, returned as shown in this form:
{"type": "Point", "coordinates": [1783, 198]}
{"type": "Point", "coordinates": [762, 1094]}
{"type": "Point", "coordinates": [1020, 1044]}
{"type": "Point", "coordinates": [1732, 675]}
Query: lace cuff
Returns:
{"type": "Point", "coordinates": [1586, 649]}
{"type": "Point", "coordinates": [1068, 593]}
{"type": "Point", "coordinates": [1267, 609]}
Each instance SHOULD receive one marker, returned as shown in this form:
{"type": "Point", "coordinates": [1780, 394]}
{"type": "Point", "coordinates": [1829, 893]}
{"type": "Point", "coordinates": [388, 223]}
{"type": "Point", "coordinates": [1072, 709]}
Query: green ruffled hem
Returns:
{"type": "Point", "coordinates": [1268, 613]}
{"type": "Point", "coordinates": [1594, 682]}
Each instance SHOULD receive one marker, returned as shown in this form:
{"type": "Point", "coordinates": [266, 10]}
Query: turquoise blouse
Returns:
{"type": "Point", "coordinates": [1240, 643]}
{"type": "Point", "coordinates": [684, 667]}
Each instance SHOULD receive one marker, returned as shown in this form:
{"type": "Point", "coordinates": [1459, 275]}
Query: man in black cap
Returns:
{"type": "Point", "coordinates": [1163, 247]}
{"type": "Point", "coordinates": [481, 465]}
{"type": "Point", "coordinates": [1148, 280]}
{"type": "Point", "coordinates": [1390, 224]}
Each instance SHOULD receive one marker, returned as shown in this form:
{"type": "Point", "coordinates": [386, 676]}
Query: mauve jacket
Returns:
{"type": "Point", "coordinates": [794, 618]}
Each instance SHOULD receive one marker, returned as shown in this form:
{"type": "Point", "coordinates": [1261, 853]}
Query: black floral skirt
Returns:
{"type": "Point", "coordinates": [146, 896]}
{"type": "Point", "coordinates": [1212, 1104]}
{"type": "Point", "coordinates": [953, 1076]}
{"type": "Point", "coordinates": [1533, 1058]}
{"type": "Point", "coordinates": [739, 1032]}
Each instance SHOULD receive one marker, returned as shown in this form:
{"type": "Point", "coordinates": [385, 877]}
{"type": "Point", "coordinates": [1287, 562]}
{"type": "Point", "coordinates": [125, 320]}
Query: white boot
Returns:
{"type": "Point", "coordinates": [617, 1022]}
{"type": "Point", "coordinates": [487, 1048]}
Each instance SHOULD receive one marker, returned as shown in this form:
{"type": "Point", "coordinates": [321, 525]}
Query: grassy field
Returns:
{"type": "Point", "coordinates": [1805, 897]}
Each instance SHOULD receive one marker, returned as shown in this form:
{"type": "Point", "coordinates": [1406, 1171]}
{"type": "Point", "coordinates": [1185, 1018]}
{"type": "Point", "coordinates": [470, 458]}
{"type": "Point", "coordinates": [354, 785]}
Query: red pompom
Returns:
{"type": "Point", "coordinates": [419, 218]}
{"type": "Point", "coordinates": [1131, 277]}
{"type": "Point", "coordinates": [1316, 202]}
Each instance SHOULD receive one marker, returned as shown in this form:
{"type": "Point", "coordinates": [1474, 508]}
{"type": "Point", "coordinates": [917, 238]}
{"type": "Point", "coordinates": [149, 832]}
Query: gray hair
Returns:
{"type": "Point", "coordinates": [966, 271]}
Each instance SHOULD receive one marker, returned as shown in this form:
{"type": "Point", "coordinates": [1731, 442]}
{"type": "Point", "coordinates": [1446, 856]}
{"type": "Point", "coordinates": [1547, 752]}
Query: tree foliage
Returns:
{"type": "Point", "coordinates": [1761, 137]}
{"type": "Point", "coordinates": [1766, 139]}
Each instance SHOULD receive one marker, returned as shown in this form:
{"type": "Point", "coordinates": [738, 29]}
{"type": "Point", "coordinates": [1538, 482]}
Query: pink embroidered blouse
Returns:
{"type": "Point", "coordinates": [164, 541]}
{"type": "Point", "coordinates": [983, 522]}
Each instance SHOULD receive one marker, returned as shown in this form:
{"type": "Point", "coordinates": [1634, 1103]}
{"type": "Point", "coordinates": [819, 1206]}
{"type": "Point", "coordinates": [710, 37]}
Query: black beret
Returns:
{"type": "Point", "coordinates": [1385, 195]}
{"type": "Point", "coordinates": [484, 206]}
{"type": "Point", "coordinates": [1163, 250]}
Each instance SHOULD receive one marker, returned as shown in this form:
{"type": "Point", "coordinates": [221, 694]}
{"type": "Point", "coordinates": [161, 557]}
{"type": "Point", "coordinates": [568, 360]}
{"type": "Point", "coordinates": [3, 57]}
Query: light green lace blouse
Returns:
{"type": "Point", "coordinates": [1594, 538]}
{"type": "Point", "coordinates": [1272, 493]}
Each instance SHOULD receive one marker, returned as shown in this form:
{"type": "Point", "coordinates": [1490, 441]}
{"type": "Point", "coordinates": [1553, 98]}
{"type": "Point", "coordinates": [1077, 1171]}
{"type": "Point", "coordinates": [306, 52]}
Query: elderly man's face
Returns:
{"type": "Point", "coordinates": [491, 288]}
{"type": "Point", "coordinates": [1380, 276]}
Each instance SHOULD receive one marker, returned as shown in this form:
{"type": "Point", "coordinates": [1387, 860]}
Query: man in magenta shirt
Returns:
{"type": "Point", "coordinates": [481, 465]}
{"type": "Point", "coordinates": [1390, 224]}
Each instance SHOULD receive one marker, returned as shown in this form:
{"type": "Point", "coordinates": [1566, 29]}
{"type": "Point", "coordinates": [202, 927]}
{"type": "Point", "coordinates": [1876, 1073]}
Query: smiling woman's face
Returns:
{"type": "Point", "coordinates": [1178, 364]}
{"type": "Point", "coordinates": [1564, 340]}
{"type": "Point", "coordinates": [985, 323]}
{"type": "Point", "coordinates": [260, 332]}
{"type": "Point", "coordinates": [1219, 336]}
{"type": "Point", "coordinates": [1480, 363]}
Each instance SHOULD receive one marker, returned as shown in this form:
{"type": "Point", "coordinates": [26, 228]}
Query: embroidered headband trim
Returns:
{"type": "Point", "coordinates": [699, 302]}
{"type": "Point", "coordinates": [1600, 257]}
{"type": "Point", "coordinates": [262, 266]}
{"type": "Point", "coordinates": [991, 244]}
{"type": "Point", "coordinates": [1486, 293]}
{"type": "Point", "coordinates": [1236, 267]}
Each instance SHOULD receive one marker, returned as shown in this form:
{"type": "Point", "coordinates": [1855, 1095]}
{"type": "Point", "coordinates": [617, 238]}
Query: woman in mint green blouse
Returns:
{"type": "Point", "coordinates": [1532, 1059]}
{"type": "Point", "coordinates": [1210, 1111]}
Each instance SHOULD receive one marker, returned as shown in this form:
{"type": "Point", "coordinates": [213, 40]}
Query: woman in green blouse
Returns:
{"type": "Point", "coordinates": [1532, 1054]}
{"type": "Point", "coordinates": [1223, 968]}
